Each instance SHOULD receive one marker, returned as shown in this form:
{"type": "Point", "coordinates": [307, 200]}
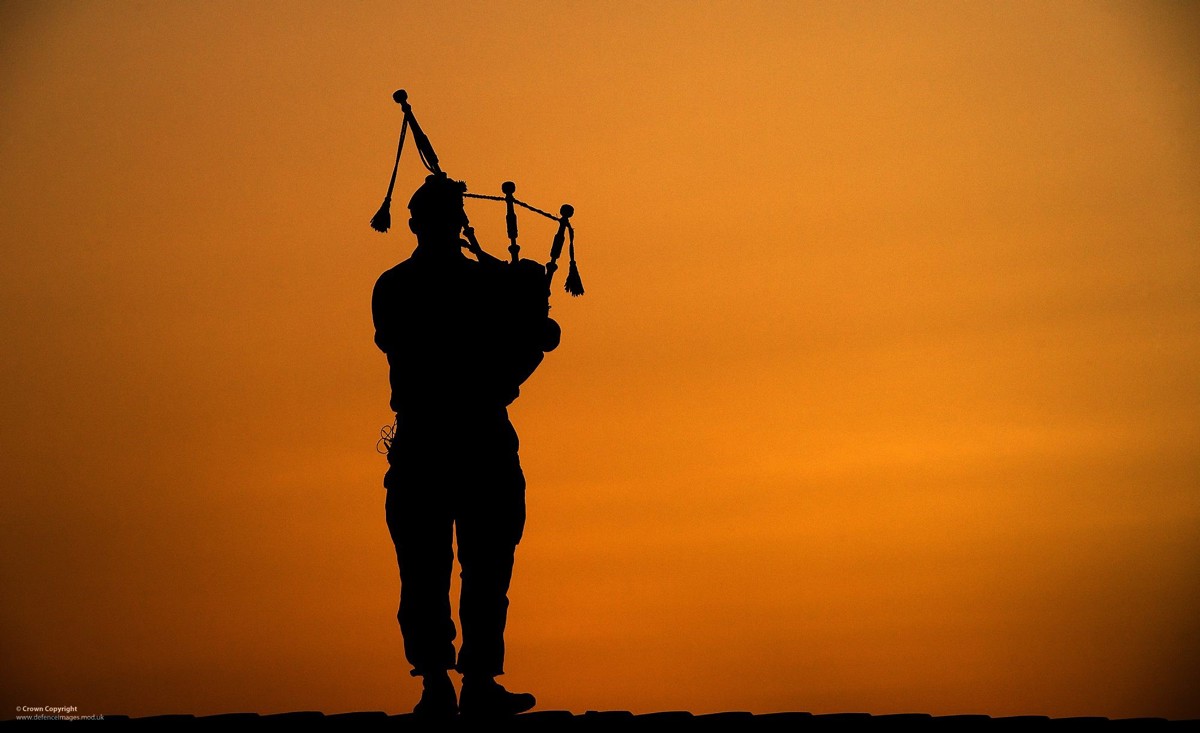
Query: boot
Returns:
{"type": "Point", "coordinates": [437, 697]}
{"type": "Point", "coordinates": [484, 697]}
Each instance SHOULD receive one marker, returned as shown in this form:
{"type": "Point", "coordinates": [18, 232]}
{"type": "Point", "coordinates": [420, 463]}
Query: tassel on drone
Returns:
{"type": "Point", "coordinates": [382, 220]}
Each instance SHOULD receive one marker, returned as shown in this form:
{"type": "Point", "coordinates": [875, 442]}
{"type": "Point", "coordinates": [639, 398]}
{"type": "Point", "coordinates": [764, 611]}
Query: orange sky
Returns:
{"type": "Point", "coordinates": [884, 397]}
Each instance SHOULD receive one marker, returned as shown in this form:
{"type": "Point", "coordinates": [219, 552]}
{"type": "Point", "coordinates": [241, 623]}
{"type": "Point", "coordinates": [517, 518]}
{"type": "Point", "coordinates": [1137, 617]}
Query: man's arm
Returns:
{"type": "Point", "coordinates": [385, 311]}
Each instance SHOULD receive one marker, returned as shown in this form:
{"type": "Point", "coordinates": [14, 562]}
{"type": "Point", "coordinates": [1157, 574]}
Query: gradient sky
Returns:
{"type": "Point", "coordinates": [884, 396]}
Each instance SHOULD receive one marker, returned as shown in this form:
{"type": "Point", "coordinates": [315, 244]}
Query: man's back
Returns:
{"type": "Point", "coordinates": [460, 336]}
{"type": "Point", "coordinates": [434, 321]}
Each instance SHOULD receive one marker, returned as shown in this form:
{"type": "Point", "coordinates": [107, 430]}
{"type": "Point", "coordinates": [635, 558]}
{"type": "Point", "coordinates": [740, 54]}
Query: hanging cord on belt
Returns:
{"type": "Point", "coordinates": [387, 438]}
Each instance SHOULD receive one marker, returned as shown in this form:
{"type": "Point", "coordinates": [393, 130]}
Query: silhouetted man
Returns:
{"type": "Point", "coordinates": [460, 335]}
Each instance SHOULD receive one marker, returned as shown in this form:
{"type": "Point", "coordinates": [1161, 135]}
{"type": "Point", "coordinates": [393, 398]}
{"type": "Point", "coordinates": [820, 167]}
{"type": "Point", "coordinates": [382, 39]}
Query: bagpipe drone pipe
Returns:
{"type": "Point", "coordinates": [523, 298]}
{"type": "Point", "coordinates": [382, 220]}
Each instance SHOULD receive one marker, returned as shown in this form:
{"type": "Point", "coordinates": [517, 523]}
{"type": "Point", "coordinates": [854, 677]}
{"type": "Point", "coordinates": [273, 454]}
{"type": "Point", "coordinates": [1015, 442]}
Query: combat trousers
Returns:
{"type": "Point", "coordinates": [460, 479]}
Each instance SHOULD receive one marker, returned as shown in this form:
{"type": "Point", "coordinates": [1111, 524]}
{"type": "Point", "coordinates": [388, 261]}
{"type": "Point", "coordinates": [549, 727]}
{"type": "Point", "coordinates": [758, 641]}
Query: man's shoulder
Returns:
{"type": "Point", "coordinates": [418, 277]}
{"type": "Point", "coordinates": [394, 292]}
{"type": "Point", "coordinates": [398, 277]}
{"type": "Point", "coordinates": [398, 271]}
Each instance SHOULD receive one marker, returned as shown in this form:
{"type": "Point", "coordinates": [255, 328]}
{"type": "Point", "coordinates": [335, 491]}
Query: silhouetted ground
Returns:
{"type": "Point", "coordinates": [622, 720]}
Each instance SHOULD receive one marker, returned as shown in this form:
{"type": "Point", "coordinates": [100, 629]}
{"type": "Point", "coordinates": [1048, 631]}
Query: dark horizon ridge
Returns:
{"type": "Point", "coordinates": [733, 720]}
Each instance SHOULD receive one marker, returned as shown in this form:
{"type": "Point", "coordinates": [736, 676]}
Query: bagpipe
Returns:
{"type": "Point", "coordinates": [382, 220]}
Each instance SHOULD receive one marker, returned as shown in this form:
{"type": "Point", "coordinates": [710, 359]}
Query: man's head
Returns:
{"type": "Point", "coordinates": [436, 209]}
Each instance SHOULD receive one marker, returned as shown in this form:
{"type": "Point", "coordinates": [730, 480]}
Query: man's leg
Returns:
{"type": "Point", "coordinates": [483, 609]}
{"type": "Point", "coordinates": [421, 527]}
{"type": "Point", "coordinates": [487, 564]}
{"type": "Point", "coordinates": [490, 522]}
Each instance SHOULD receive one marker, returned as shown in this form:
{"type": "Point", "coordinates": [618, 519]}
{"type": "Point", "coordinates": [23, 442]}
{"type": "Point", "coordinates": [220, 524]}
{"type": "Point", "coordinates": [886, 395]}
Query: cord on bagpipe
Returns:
{"type": "Point", "coordinates": [382, 220]}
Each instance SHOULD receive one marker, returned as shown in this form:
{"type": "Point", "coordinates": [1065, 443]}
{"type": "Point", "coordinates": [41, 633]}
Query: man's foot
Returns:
{"type": "Point", "coordinates": [485, 697]}
{"type": "Point", "coordinates": [437, 697]}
